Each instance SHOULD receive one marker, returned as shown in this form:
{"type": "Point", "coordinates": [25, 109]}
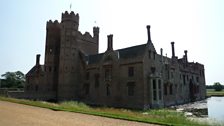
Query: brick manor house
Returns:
{"type": "Point", "coordinates": [132, 77]}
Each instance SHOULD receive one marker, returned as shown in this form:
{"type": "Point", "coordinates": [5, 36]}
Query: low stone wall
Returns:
{"type": "Point", "coordinates": [3, 92]}
{"type": "Point", "coordinates": [45, 96]}
{"type": "Point", "coordinates": [16, 94]}
{"type": "Point", "coordinates": [21, 94]}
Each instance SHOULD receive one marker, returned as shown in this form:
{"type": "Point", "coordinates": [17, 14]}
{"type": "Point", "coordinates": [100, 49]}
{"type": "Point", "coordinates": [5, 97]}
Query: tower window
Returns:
{"type": "Point", "coordinates": [50, 50]}
{"type": "Point", "coordinates": [130, 71]}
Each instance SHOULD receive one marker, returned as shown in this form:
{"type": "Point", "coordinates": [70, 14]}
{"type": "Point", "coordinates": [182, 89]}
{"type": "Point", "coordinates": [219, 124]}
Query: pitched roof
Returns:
{"type": "Point", "coordinates": [132, 52]}
{"type": "Point", "coordinates": [126, 53]}
{"type": "Point", "coordinates": [34, 69]}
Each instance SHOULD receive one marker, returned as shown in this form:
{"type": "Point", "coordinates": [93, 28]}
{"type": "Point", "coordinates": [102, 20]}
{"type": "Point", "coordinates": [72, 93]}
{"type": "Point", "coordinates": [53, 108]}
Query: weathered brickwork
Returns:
{"type": "Point", "coordinates": [133, 77]}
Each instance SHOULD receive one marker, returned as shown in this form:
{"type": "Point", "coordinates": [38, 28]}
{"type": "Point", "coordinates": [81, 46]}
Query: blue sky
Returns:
{"type": "Point", "coordinates": [194, 25]}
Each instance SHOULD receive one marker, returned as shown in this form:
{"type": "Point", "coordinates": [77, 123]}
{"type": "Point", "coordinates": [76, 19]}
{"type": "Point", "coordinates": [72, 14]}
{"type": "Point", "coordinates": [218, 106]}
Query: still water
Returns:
{"type": "Point", "coordinates": [216, 108]}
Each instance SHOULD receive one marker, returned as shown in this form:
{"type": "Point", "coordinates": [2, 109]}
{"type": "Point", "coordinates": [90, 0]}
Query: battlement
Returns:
{"type": "Point", "coordinates": [96, 30]}
{"type": "Point", "coordinates": [51, 24]}
{"type": "Point", "coordinates": [86, 37]}
{"type": "Point", "coordinates": [70, 17]}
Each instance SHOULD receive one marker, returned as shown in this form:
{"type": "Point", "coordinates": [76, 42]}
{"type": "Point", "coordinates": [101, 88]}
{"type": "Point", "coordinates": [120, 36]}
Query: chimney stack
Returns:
{"type": "Point", "coordinates": [185, 51]}
{"type": "Point", "coordinates": [110, 42]}
{"type": "Point", "coordinates": [173, 50]}
{"type": "Point", "coordinates": [161, 53]}
{"type": "Point", "coordinates": [148, 32]}
{"type": "Point", "coordinates": [37, 59]}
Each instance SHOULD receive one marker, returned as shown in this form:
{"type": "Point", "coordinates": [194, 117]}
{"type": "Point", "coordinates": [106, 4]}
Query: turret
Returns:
{"type": "Point", "coordinates": [96, 31]}
{"type": "Point", "coordinates": [53, 31]}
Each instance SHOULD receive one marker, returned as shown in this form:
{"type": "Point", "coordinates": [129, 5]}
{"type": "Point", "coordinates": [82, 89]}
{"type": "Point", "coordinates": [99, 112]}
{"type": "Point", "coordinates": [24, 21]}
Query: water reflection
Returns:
{"type": "Point", "coordinates": [216, 108]}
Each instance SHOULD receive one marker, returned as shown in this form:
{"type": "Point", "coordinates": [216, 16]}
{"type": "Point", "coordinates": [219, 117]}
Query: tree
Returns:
{"type": "Point", "coordinates": [13, 80]}
{"type": "Point", "coordinates": [217, 86]}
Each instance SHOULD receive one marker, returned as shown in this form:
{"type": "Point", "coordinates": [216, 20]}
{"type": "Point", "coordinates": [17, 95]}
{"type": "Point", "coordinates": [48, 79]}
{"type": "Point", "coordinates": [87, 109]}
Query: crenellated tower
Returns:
{"type": "Point", "coordinates": [69, 57]}
{"type": "Point", "coordinates": [96, 31]}
{"type": "Point", "coordinates": [52, 51]}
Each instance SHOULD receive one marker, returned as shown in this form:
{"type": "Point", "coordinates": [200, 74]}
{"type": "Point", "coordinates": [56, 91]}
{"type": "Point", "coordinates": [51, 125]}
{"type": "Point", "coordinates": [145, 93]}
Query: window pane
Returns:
{"type": "Point", "coordinates": [154, 84]}
{"type": "Point", "coordinates": [131, 88]}
{"type": "Point", "coordinates": [130, 71]}
{"type": "Point", "coordinates": [97, 76]}
{"type": "Point", "coordinates": [108, 90]}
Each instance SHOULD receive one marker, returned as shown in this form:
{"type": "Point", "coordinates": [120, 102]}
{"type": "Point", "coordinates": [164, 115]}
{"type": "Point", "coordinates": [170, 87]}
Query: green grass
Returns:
{"type": "Point", "coordinates": [159, 116]}
{"type": "Point", "coordinates": [212, 92]}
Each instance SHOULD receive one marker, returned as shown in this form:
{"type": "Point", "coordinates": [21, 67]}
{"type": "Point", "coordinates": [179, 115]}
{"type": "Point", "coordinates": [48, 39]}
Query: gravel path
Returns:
{"type": "Point", "coordinates": [12, 114]}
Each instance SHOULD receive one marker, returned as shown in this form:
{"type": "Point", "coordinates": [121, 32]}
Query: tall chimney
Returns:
{"type": "Point", "coordinates": [37, 59]}
{"type": "Point", "coordinates": [110, 42]}
{"type": "Point", "coordinates": [173, 50]}
{"type": "Point", "coordinates": [185, 51]}
{"type": "Point", "coordinates": [148, 32]}
{"type": "Point", "coordinates": [161, 53]}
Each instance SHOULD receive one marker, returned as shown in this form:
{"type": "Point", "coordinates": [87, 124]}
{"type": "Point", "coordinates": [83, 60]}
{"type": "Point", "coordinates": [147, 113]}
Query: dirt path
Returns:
{"type": "Point", "coordinates": [12, 114]}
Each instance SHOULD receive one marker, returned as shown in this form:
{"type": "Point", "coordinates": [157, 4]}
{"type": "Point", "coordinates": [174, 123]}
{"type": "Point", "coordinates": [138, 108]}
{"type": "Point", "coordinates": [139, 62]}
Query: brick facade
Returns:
{"type": "Point", "coordinates": [133, 77]}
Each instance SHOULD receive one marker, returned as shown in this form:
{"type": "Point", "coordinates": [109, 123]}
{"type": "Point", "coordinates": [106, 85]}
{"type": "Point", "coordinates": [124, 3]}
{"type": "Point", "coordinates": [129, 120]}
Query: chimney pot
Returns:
{"type": "Point", "coordinates": [185, 51]}
{"type": "Point", "coordinates": [110, 42]}
{"type": "Point", "coordinates": [37, 59]}
{"type": "Point", "coordinates": [149, 34]}
{"type": "Point", "coordinates": [173, 50]}
{"type": "Point", "coordinates": [161, 53]}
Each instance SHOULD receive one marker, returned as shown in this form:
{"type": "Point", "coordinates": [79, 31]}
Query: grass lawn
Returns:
{"type": "Point", "coordinates": [159, 116]}
{"type": "Point", "coordinates": [212, 92]}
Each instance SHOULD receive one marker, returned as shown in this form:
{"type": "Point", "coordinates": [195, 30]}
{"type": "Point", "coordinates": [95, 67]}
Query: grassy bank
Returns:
{"type": "Point", "coordinates": [212, 92]}
{"type": "Point", "coordinates": [160, 116]}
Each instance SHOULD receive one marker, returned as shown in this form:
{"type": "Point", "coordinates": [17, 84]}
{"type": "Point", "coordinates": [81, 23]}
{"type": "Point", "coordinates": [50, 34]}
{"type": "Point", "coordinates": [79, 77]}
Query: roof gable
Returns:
{"type": "Point", "coordinates": [126, 53]}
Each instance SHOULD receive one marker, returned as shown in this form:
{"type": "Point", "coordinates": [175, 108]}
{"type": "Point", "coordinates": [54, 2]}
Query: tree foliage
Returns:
{"type": "Point", "coordinates": [13, 80]}
{"type": "Point", "coordinates": [217, 86]}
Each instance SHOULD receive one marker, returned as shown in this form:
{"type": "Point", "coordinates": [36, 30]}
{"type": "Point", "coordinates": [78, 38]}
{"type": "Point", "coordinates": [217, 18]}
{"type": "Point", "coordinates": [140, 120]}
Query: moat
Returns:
{"type": "Point", "coordinates": [209, 109]}
{"type": "Point", "coordinates": [215, 108]}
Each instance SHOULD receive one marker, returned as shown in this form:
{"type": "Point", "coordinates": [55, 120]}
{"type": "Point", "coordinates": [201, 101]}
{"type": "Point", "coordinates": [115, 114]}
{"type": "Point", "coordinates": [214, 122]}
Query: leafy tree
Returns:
{"type": "Point", "coordinates": [217, 86]}
{"type": "Point", "coordinates": [13, 80]}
